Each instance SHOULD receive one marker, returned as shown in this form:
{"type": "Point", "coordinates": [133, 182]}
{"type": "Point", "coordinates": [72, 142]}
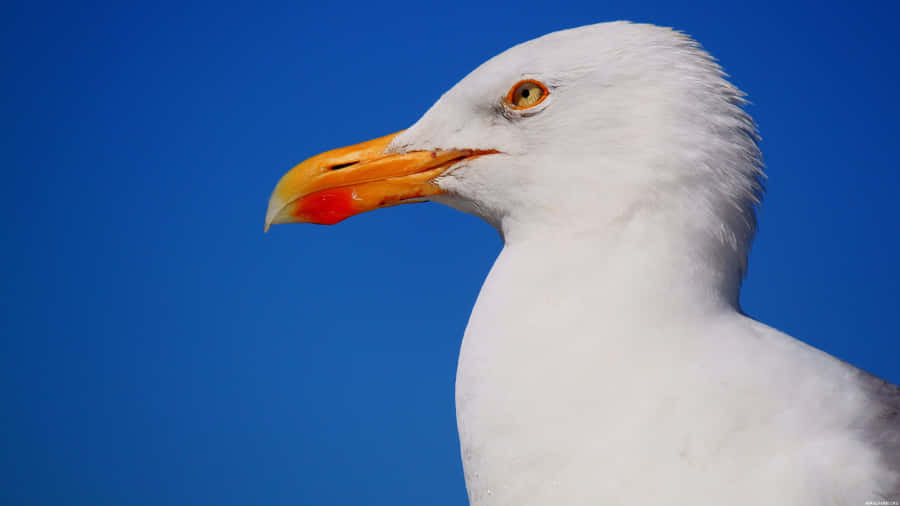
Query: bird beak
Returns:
{"type": "Point", "coordinates": [337, 184]}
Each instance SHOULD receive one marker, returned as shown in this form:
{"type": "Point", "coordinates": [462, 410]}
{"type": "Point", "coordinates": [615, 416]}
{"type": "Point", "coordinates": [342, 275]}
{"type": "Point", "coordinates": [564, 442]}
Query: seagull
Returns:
{"type": "Point", "coordinates": [607, 360]}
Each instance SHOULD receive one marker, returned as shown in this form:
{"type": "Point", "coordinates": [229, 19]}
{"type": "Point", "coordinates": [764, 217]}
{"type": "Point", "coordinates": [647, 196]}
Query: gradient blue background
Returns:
{"type": "Point", "coordinates": [157, 348]}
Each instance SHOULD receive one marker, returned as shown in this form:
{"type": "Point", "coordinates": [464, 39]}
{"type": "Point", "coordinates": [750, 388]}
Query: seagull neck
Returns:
{"type": "Point", "coordinates": [649, 264]}
{"type": "Point", "coordinates": [562, 318]}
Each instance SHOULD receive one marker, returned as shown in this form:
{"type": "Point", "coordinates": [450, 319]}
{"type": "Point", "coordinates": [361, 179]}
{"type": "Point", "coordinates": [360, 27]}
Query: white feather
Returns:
{"type": "Point", "coordinates": [606, 361]}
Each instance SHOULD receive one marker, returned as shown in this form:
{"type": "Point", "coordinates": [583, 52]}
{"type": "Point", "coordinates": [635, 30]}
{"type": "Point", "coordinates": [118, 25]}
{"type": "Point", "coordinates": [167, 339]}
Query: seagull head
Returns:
{"type": "Point", "coordinates": [578, 130]}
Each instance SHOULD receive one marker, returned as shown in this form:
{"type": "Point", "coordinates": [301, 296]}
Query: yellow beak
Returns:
{"type": "Point", "coordinates": [337, 184]}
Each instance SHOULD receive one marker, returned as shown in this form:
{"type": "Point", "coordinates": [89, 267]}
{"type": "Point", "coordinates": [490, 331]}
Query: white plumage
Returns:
{"type": "Point", "coordinates": [607, 361]}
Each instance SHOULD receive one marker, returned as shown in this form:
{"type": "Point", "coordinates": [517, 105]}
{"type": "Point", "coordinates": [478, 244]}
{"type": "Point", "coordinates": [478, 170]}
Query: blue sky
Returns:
{"type": "Point", "coordinates": [159, 349]}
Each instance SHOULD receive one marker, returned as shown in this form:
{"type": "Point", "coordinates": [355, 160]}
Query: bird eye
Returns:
{"type": "Point", "coordinates": [527, 93]}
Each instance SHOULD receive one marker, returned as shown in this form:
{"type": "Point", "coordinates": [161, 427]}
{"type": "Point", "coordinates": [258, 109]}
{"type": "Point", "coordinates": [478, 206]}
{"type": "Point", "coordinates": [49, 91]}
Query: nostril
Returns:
{"type": "Point", "coordinates": [342, 165]}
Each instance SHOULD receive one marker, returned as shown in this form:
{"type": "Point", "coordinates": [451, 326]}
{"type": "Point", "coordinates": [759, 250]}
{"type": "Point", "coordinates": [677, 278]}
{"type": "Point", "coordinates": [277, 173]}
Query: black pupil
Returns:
{"type": "Point", "coordinates": [525, 93]}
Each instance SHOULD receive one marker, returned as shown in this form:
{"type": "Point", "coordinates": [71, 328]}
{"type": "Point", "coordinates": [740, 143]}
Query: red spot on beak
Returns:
{"type": "Point", "coordinates": [326, 207]}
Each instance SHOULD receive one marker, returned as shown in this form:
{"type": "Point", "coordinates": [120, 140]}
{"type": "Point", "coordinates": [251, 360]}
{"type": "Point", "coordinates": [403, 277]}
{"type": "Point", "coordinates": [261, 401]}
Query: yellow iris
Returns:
{"type": "Point", "coordinates": [526, 94]}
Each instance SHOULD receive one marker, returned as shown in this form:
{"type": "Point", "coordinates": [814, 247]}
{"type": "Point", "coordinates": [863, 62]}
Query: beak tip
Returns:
{"type": "Point", "coordinates": [276, 206]}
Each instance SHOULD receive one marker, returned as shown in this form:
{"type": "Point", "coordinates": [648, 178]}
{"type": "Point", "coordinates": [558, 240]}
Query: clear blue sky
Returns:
{"type": "Point", "coordinates": [157, 348]}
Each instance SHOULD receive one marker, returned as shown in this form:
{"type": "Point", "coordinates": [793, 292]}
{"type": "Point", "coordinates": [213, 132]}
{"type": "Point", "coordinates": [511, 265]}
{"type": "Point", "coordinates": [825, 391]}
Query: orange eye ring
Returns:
{"type": "Point", "coordinates": [526, 94]}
